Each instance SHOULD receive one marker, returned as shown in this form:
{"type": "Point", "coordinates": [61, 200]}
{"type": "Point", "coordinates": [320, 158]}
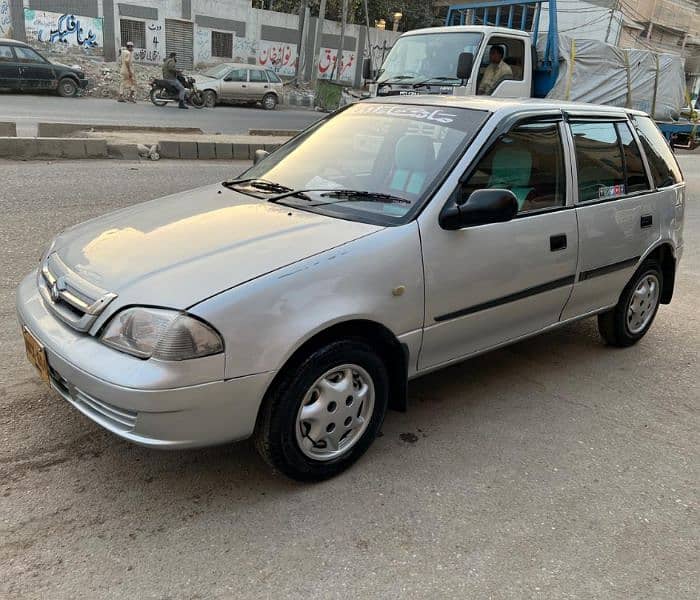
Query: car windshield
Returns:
{"type": "Point", "coordinates": [388, 156]}
{"type": "Point", "coordinates": [217, 72]}
{"type": "Point", "coordinates": [426, 56]}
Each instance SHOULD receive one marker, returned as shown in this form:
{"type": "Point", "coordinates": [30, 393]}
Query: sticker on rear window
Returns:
{"type": "Point", "coordinates": [610, 191]}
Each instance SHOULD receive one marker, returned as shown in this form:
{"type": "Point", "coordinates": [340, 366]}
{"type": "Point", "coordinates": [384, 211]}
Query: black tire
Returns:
{"type": "Point", "coordinates": [275, 433]}
{"type": "Point", "coordinates": [155, 92]}
{"type": "Point", "coordinates": [614, 326]}
{"type": "Point", "coordinates": [269, 102]}
{"type": "Point", "coordinates": [67, 88]}
{"type": "Point", "coordinates": [197, 99]}
{"type": "Point", "coordinates": [209, 98]}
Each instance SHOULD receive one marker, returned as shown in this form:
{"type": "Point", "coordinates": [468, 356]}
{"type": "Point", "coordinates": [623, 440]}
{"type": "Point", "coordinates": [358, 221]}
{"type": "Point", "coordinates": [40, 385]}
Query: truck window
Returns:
{"type": "Point", "coordinates": [664, 168]}
{"type": "Point", "coordinates": [635, 175]}
{"type": "Point", "coordinates": [528, 161]}
{"type": "Point", "coordinates": [601, 171]}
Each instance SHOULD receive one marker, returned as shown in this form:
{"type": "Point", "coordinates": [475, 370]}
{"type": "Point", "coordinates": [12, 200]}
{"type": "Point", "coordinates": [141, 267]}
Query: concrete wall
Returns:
{"type": "Point", "coordinates": [260, 37]}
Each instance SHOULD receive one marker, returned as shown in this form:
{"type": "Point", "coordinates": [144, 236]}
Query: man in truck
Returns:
{"type": "Point", "coordinates": [496, 71]}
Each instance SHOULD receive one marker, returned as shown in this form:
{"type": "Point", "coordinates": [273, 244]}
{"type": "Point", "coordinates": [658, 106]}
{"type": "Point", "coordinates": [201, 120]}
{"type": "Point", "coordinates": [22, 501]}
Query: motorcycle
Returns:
{"type": "Point", "coordinates": [164, 92]}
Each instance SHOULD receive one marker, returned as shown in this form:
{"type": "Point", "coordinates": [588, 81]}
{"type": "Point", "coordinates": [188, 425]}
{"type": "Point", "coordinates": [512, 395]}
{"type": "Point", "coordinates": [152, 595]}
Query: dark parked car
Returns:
{"type": "Point", "coordinates": [23, 69]}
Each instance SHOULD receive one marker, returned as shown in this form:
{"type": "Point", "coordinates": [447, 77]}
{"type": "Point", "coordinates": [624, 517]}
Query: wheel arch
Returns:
{"type": "Point", "coordinates": [664, 253]}
{"type": "Point", "coordinates": [394, 354]}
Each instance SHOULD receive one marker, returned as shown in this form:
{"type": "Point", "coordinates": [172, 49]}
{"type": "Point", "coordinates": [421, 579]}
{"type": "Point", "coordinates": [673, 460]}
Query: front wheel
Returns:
{"type": "Point", "coordinates": [322, 415]}
{"type": "Point", "coordinates": [634, 313]}
{"type": "Point", "coordinates": [67, 88]}
{"type": "Point", "coordinates": [209, 98]}
{"type": "Point", "coordinates": [156, 96]}
{"type": "Point", "coordinates": [269, 101]}
{"type": "Point", "coordinates": [196, 99]}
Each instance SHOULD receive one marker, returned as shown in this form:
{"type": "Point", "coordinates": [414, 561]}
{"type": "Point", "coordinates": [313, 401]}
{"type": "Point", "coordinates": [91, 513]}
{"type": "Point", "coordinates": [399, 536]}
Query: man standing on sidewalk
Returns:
{"type": "Point", "coordinates": [170, 75]}
{"type": "Point", "coordinates": [127, 85]}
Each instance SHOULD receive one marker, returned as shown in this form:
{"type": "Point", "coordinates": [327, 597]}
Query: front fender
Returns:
{"type": "Point", "coordinates": [263, 322]}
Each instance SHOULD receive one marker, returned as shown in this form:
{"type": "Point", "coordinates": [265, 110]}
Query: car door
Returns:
{"type": "Point", "coordinates": [617, 210]}
{"type": "Point", "coordinates": [9, 68]}
{"type": "Point", "coordinates": [258, 85]}
{"type": "Point", "coordinates": [234, 85]}
{"type": "Point", "coordinates": [490, 284]}
{"type": "Point", "coordinates": [35, 71]}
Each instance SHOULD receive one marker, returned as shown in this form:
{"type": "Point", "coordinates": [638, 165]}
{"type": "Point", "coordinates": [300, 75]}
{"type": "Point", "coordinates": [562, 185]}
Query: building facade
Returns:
{"type": "Point", "coordinates": [202, 32]}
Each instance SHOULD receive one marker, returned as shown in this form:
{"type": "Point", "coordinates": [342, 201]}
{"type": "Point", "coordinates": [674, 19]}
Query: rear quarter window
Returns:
{"type": "Point", "coordinates": [663, 165]}
{"type": "Point", "coordinates": [272, 76]}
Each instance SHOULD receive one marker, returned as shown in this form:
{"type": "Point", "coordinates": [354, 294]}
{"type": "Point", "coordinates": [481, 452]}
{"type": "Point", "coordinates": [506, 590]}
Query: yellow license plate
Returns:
{"type": "Point", "coordinates": [36, 354]}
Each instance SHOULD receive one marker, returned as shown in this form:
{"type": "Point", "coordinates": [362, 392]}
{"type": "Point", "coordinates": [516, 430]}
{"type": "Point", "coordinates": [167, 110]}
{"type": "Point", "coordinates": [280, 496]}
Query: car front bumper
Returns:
{"type": "Point", "coordinates": [135, 399]}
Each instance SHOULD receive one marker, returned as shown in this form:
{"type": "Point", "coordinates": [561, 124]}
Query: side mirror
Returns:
{"type": "Point", "coordinates": [481, 208]}
{"type": "Point", "coordinates": [367, 69]}
{"type": "Point", "coordinates": [260, 155]}
{"type": "Point", "coordinates": [464, 65]}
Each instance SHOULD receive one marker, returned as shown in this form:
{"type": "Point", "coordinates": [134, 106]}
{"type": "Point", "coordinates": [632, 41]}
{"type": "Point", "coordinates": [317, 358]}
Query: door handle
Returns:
{"type": "Point", "coordinates": [557, 242]}
{"type": "Point", "coordinates": [646, 221]}
{"type": "Point", "coordinates": [266, 86]}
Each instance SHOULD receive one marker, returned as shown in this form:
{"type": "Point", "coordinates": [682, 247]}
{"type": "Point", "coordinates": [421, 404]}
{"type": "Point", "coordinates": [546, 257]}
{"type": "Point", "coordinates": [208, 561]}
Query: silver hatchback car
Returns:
{"type": "Point", "coordinates": [240, 83]}
{"type": "Point", "coordinates": [393, 238]}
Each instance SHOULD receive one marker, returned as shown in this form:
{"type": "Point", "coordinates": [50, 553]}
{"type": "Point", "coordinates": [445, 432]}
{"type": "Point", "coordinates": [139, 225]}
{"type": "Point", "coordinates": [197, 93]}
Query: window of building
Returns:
{"type": "Point", "coordinates": [664, 168]}
{"type": "Point", "coordinates": [601, 171]}
{"type": "Point", "coordinates": [528, 161]}
{"type": "Point", "coordinates": [221, 44]}
{"type": "Point", "coordinates": [635, 174]}
{"type": "Point", "coordinates": [132, 31]}
{"type": "Point", "coordinates": [258, 76]}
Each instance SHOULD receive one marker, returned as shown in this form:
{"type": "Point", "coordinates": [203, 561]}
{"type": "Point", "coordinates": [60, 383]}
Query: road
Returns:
{"type": "Point", "coordinates": [27, 110]}
{"type": "Point", "coordinates": [556, 468]}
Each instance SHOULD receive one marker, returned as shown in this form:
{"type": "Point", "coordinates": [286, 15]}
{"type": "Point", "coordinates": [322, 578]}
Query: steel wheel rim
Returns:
{"type": "Point", "coordinates": [269, 102]}
{"type": "Point", "coordinates": [209, 100]}
{"type": "Point", "coordinates": [335, 412]}
{"type": "Point", "coordinates": [642, 304]}
{"type": "Point", "coordinates": [68, 88]}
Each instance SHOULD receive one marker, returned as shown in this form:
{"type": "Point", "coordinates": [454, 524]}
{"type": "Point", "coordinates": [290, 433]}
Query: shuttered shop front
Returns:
{"type": "Point", "coordinates": [179, 37]}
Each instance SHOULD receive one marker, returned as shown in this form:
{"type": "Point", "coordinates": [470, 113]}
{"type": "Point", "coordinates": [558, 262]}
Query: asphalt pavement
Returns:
{"type": "Point", "coordinates": [27, 110]}
{"type": "Point", "coordinates": [555, 468]}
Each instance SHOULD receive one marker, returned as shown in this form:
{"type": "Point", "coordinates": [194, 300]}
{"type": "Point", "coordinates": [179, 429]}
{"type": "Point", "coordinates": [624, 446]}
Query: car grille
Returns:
{"type": "Point", "coordinates": [104, 413]}
{"type": "Point", "coordinates": [71, 298]}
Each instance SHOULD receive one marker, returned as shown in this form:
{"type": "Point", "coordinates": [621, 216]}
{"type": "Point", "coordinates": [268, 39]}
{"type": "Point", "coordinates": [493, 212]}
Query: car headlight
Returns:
{"type": "Point", "coordinates": [161, 333]}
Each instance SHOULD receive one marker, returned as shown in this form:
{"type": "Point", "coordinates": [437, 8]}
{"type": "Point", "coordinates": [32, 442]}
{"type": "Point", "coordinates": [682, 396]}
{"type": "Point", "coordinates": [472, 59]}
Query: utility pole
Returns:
{"type": "Point", "coordinates": [303, 13]}
{"type": "Point", "coordinates": [613, 8]}
{"type": "Point", "coordinates": [317, 39]}
{"type": "Point", "coordinates": [341, 47]}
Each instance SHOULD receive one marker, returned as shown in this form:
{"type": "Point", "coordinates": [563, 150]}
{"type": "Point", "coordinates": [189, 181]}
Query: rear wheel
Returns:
{"type": "Point", "coordinates": [269, 102]}
{"type": "Point", "coordinates": [157, 94]}
{"type": "Point", "coordinates": [209, 98]}
{"type": "Point", "coordinates": [633, 315]}
{"type": "Point", "coordinates": [67, 88]}
{"type": "Point", "coordinates": [323, 414]}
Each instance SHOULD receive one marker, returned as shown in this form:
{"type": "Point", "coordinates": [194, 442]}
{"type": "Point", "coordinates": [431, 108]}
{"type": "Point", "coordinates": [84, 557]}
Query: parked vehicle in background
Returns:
{"type": "Point", "coordinates": [23, 69]}
{"type": "Point", "coordinates": [163, 92]}
{"type": "Point", "coordinates": [240, 83]}
{"type": "Point", "coordinates": [391, 239]}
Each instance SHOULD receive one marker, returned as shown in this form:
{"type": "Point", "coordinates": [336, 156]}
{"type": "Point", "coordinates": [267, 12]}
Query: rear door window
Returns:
{"type": "Point", "coordinates": [27, 55]}
{"type": "Point", "coordinates": [600, 166]}
{"type": "Point", "coordinates": [6, 54]}
{"type": "Point", "coordinates": [635, 173]}
{"type": "Point", "coordinates": [257, 76]}
{"type": "Point", "coordinates": [664, 168]}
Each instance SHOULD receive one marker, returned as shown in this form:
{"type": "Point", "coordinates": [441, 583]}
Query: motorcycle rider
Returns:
{"type": "Point", "coordinates": [170, 75]}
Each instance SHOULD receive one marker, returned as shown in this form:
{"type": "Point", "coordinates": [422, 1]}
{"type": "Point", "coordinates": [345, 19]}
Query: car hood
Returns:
{"type": "Point", "coordinates": [75, 68]}
{"type": "Point", "coordinates": [181, 249]}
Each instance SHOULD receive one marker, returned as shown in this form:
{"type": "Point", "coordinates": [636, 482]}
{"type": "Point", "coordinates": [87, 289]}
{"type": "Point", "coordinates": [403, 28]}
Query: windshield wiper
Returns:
{"type": "Point", "coordinates": [259, 184]}
{"type": "Point", "coordinates": [397, 78]}
{"type": "Point", "coordinates": [365, 196]}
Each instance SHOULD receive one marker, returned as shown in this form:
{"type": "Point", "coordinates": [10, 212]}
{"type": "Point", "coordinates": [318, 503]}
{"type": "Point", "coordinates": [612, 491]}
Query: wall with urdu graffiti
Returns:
{"type": "Point", "coordinates": [63, 32]}
{"type": "Point", "coordinates": [5, 19]}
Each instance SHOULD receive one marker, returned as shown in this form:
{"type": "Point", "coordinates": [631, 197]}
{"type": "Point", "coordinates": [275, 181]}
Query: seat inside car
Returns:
{"type": "Point", "coordinates": [414, 160]}
{"type": "Point", "coordinates": [511, 169]}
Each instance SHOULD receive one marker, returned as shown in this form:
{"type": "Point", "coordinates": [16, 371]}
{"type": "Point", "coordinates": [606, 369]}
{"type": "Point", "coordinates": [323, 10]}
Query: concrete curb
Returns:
{"type": "Point", "coordinates": [64, 129]}
{"type": "Point", "coordinates": [24, 148]}
{"type": "Point", "coordinates": [211, 150]}
{"type": "Point", "coordinates": [8, 129]}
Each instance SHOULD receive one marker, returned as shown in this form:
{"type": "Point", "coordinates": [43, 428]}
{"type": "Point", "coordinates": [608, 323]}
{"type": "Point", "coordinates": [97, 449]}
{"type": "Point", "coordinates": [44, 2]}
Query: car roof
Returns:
{"type": "Point", "coordinates": [504, 105]}
{"type": "Point", "coordinates": [13, 42]}
{"type": "Point", "coordinates": [239, 65]}
{"type": "Point", "coordinates": [468, 29]}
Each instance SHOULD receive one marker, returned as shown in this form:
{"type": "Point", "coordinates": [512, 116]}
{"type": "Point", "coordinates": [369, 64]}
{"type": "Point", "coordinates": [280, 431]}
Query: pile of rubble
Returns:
{"type": "Point", "coordinates": [104, 76]}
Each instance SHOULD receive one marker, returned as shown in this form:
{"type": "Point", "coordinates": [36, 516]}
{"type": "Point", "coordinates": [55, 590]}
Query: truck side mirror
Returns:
{"type": "Point", "coordinates": [464, 65]}
{"type": "Point", "coordinates": [367, 69]}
